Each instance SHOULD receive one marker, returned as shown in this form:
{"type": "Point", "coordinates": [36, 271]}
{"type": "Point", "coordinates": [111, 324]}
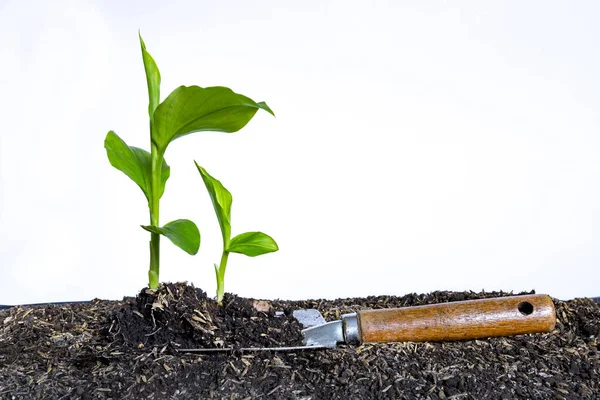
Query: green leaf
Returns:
{"type": "Point", "coordinates": [221, 199]}
{"type": "Point", "coordinates": [134, 162]}
{"type": "Point", "coordinates": [182, 232]}
{"type": "Point", "coordinates": [193, 109]}
{"type": "Point", "coordinates": [152, 78]}
{"type": "Point", "coordinates": [252, 244]}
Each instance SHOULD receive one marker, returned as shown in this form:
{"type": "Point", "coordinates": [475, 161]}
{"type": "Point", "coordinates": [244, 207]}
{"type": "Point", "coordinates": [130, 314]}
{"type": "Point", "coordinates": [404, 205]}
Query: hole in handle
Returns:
{"type": "Point", "coordinates": [525, 307]}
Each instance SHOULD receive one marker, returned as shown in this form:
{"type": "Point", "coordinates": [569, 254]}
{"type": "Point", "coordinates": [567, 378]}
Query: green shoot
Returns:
{"type": "Point", "coordinates": [250, 243]}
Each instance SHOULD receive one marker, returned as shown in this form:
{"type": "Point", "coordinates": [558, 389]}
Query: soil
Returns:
{"type": "Point", "coordinates": [132, 349]}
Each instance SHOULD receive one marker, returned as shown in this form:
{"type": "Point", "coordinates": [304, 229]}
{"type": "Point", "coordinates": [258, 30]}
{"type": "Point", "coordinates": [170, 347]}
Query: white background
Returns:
{"type": "Point", "coordinates": [418, 146]}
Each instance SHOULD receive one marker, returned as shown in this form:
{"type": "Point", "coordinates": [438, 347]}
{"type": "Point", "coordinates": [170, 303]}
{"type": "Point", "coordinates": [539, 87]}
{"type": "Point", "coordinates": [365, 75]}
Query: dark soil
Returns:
{"type": "Point", "coordinates": [131, 349]}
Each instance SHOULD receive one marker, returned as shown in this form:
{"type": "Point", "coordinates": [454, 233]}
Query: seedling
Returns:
{"type": "Point", "coordinates": [250, 243]}
{"type": "Point", "coordinates": [186, 110]}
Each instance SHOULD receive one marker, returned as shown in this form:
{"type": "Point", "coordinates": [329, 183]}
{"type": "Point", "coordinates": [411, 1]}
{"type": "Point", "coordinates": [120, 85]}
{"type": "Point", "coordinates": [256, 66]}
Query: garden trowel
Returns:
{"type": "Point", "coordinates": [461, 320]}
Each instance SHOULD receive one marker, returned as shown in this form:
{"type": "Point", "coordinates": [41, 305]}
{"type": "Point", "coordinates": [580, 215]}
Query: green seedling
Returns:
{"type": "Point", "coordinates": [186, 110]}
{"type": "Point", "coordinates": [250, 243]}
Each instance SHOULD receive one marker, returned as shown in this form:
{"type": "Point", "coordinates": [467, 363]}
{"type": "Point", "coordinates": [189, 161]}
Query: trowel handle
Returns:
{"type": "Point", "coordinates": [461, 320]}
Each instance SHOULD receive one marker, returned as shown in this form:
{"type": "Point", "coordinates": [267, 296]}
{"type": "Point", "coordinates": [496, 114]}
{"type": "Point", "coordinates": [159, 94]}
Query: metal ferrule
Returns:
{"type": "Point", "coordinates": [351, 329]}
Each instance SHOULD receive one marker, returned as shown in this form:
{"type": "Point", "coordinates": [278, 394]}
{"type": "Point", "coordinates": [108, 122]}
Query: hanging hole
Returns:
{"type": "Point", "coordinates": [525, 307]}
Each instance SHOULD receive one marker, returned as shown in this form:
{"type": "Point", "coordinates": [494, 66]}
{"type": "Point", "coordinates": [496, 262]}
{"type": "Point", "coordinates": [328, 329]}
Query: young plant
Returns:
{"type": "Point", "coordinates": [184, 111]}
{"type": "Point", "coordinates": [250, 243]}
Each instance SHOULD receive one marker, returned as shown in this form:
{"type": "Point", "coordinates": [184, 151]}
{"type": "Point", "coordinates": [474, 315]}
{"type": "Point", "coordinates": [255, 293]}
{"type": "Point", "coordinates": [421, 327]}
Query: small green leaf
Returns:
{"type": "Point", "coordinates": [182, 232]}
{"type": "Point", "coordinates": [252, 244]}
{"type": "Point", "coordinates": [221, 199]}
{"type": "Point", "coordinates": [152, 78]}
{"type": "Point", "coordinates": [194, 109]}
{"type": "Point", "coordinates": [134, 162]}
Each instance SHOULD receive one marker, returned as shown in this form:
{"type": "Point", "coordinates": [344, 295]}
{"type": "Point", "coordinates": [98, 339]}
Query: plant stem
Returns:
{"type": "Point", "coordinates": [221, 277]}
{"type": "Point", "coordinates": [154, 261]}
{"type": "Point", "coordinates": [153, 277]}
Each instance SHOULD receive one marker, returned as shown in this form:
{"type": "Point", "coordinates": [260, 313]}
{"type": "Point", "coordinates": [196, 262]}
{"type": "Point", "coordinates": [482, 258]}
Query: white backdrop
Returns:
{"type": "Point", "coordinates": [418, 146]}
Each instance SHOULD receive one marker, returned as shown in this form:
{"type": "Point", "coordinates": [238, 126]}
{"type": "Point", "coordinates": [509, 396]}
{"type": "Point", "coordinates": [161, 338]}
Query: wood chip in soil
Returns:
{"type": "Point", "coordinates": [129, 350]}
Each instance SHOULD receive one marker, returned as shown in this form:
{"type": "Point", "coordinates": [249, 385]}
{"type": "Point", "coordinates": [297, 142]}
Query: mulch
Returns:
{"type": "Point", "coordinates": [131, 349]}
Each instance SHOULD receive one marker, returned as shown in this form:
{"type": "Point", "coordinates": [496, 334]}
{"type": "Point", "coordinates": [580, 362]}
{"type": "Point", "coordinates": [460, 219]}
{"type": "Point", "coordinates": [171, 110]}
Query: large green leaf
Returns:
{"type": "Point", "coordinates": [182, 232]}
{"type": "Point", "coordinates": [252, 244]}
{"type": "Point", "coordinates": [134, 162]}
{"type": "Point", "coordinates": [152, 78]}
{"type": "Point", "coordinates": [221, 199]}
{"type": "Point", "coordinates": [193, 109]}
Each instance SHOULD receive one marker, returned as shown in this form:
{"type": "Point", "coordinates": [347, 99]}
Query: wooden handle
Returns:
{"type": "Point", "coordinates": [461, 320]}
